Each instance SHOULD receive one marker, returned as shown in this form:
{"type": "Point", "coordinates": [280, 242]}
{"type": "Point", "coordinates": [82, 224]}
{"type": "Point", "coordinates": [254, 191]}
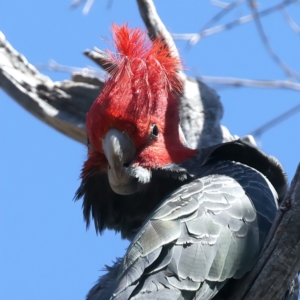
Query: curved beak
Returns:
{"type": "Point", "coordinates": [120, 152]}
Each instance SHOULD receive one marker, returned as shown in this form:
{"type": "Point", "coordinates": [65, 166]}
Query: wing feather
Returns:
{"type": "Point", "coordinates": [203, 234]}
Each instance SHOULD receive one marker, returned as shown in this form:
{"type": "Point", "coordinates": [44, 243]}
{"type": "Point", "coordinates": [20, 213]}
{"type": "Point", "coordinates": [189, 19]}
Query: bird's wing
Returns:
{"type": "Point", "coordinates": [202, 234]}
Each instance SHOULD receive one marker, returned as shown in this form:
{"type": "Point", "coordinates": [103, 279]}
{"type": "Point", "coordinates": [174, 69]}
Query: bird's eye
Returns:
{"type": "Point", "coordinates": [88, 144]}
{"type": "Point", "coordinates": [154, 130]}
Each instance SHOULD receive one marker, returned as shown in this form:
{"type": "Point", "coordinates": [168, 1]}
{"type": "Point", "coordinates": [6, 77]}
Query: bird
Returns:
{"type": "Point", "coordinates": [197, 219]}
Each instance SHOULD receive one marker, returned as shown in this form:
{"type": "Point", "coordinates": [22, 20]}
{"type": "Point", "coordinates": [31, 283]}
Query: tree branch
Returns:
{"type": "Point", "coordinates": [87, 6]}
{"type": "Point", "coordinates": [194, 38]}
{"type": "Point", "coordinates": [54, 66]}
{"type": "Point", "coordinates": [225, 10]}
{"type": "Point", "coordinates": [288, 71]}
{"type": "Point", "coordinates": [275, 121]}
{"type": "Point", "coordinates": [293, 25]}
{"type": "Point", "coordinates": [62, 105]}
{"type": "Point", "coordinates": [239, 82]}
{"type": "Point", "coordinates": [100, 57]}
{"type": "Point", "coordinates": [155, 26]}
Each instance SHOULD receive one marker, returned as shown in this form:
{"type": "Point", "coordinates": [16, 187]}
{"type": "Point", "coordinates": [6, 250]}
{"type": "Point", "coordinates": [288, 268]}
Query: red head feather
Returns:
{"type": "Point", "coordinates": [139, 93]}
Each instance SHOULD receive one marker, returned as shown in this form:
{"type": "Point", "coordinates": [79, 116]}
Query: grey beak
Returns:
{"type": "Point", "coordinates": [120, 152]}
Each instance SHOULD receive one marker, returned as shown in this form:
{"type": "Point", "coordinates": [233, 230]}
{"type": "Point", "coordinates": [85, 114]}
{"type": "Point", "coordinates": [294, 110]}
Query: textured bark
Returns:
{"type": "Point", "coordinates": [62, 105]}
{"type": "Point", "coordinates": [155, 26]}
{"type": "Point", "coordinates": [100, 58]}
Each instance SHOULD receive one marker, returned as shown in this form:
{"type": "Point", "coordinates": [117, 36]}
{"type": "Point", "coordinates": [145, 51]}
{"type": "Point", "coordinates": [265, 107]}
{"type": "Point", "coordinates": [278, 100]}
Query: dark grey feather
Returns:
{"type": "Point", "coordinates": [200, 232]}
{"type": "Point", "coordinates": [213, 246]}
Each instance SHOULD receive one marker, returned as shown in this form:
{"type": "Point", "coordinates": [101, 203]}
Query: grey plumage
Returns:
{"type": "Point", "coordinates": [209, 225]}
{"type": "Point", "coordinates": [207, 246]}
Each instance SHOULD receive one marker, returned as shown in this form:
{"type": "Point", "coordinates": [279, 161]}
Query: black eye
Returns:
{"type": "Point", "coordinates": [88, 143]}
{"type": "Point", "coordinates": [154, 131]}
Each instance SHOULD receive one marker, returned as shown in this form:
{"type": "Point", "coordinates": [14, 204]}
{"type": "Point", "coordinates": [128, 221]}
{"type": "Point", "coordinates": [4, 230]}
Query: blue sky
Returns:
{"type": "Point", "coordinates": [46, 252]}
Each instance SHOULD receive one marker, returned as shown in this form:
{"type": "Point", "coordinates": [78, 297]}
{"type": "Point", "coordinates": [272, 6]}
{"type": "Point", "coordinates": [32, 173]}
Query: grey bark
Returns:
{"type": "Point", "coordinates": [62, 105]}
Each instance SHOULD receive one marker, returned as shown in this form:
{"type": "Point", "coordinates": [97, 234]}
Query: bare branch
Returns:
{"type": "Point", "coordinates": [100, 57]}
{"type": "Point", "coordinates": [238, 82]}
{"type": "Point", "coordinates": [260, 130]}
{"type": "Point", "coordinates": [217, 17]}
{"type": "Point", "coordinates": [155, 26]}
{"type": "Point", "coordinates": [62, 105]}
{"type": "Point", "coordinates": [294, 26]}
{"type": "Point", "coordinates": [87, 6]}
{"type": "Point", "coordinates": [85, 78]}
{"type": "Point", "coordinates": [54, 66]}
{"type": "Point", "coordinates": [219, 3]}
{"type": "Point", "coordinates": [195, 37]}
{"type": "Point", "coordinates": [289, 72]}
{"type": "Point", "coordinates": [76, 3]}
{"type": "Point", "coordinates": [227, 9]}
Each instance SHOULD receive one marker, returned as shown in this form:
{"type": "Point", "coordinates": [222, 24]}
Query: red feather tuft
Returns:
{"type": "Point", "coordinates": [139, 93]}
{"type": "Point", "coordinates": [132, 44]}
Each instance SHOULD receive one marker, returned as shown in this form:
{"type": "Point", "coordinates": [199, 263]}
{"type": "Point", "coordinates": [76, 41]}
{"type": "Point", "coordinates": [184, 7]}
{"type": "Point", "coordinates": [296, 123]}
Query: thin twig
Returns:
{"type": "Point", "coordinates": [195, 37]}
{"type": "Point", "coordinates": [217, 17]}
{"type": "Point", "coordinates": [54, 66]}
{"type": "Point", "coordinates": [294, 26]}
{"type": "Point", "coordinates": [76, 3]}
{"type": "Point", "coordinates": [227, 9]}
{"type": "Point", "coordinates": [219, 3]}
{"type": "Point", "coordinates": [87, 7]}
{"type": "Point", "coordinates": [287, 114]}
{"type": "Point", "coordinates": [238, 82]}
{"type": "Point", "coordinates": [288, 71]}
